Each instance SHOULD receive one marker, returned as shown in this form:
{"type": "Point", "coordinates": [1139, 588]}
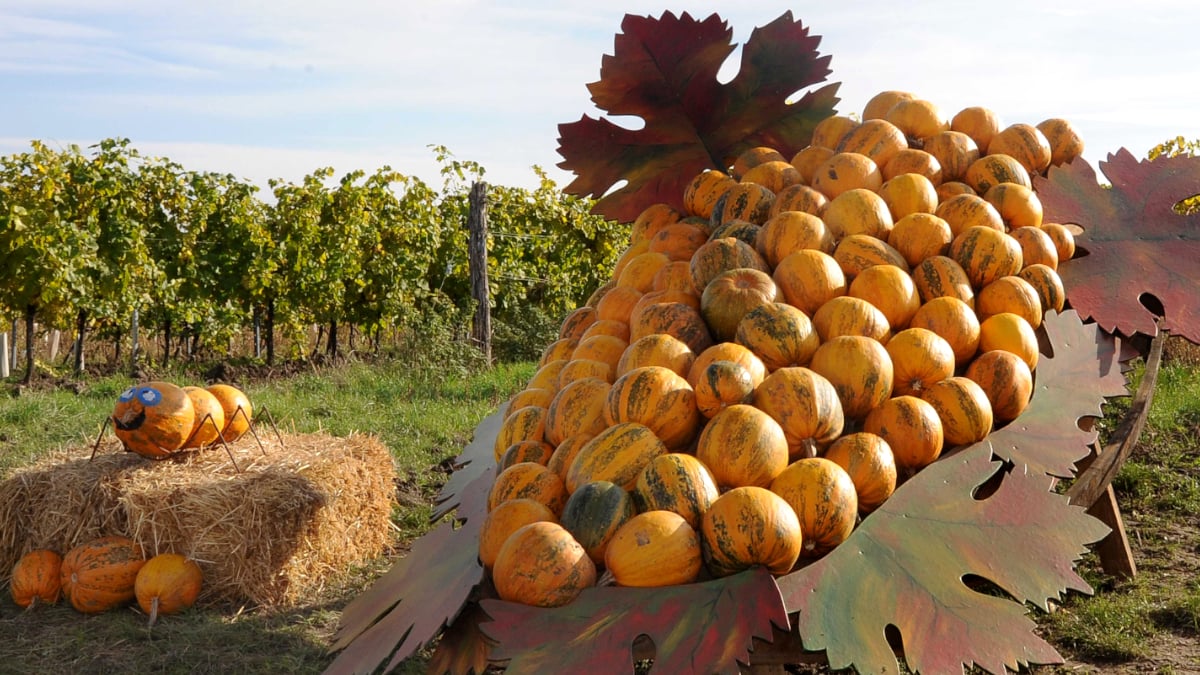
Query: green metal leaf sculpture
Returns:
{"type": "Point", "coordinates": [905, 564]}
{"type": "Point", "coordinates": [1072, 383]}
{"type": "Point", "coordinates": [425, 590]}
{"type": "Point", "coordinates": [664, 71]}
{"type": "Point", "coordinates": [1136, 243]}
{"type": "Point", "coordinates": [696, 628]}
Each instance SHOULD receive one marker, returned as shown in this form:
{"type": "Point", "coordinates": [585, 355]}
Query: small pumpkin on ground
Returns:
{"type": "Point", "coordinates": [168, 583]}
{"type": "Point", "coordinates": [36, 579]}
{"type": "Point", "coordinates": [99, 575]}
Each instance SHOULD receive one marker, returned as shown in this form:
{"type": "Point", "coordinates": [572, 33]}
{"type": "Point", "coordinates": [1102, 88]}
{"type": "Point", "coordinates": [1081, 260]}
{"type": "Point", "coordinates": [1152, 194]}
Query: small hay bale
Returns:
{"type": "Point", "coordinates": [295, 517]}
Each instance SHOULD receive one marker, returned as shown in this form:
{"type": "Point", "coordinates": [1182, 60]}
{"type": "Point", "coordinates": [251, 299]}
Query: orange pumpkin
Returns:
{"type": "Point", "coordinates": [790, 231]}
{"type": "Point", "coordinates": [805, 405]}
{"type": "Point", "coordinates": [743, 201]}
{"type": "Point", "coordinates": [577, 409]}
{"type": "Point", "coordinates": [823, 497]}
{"type": "Point", "coordinates": [1025, 143]}
{"type": "Point", "coordinates": [502, 521]}
{"type": "Point", "coordinates": [1010, 294]}
{"type": "Point", "coordinates": [1012, 333]}
{"type": "Point", "coordinates": [858, 211]}
{"type": "Point", "coordinates": [920, 357]}
{"type": "Point", "coordinates": [658, 398]}
{"type": "Point", "coordinates": [742, 445]}
{"type": "Point", "coordinates": [238, 411]}
{"type": "Point", "coordinates": [1063, 238]}
{"type": "Point", "coordinates": [808, 279]}
{"type": "Point", "coordinates": [565, 453]}
{"type": "Point", "coordinates": [657, 349]}
{"type": "Point", "coordinates": [99, 575]}
{"type": "Point", "coordinates": [168, 583]}
{"type": "Point", "coordinates": [208, 418]}
{"type": "Point", "coordinates": [779, 334]}
{"type": "Point", "coordinates": [878, 139]}
{"type": "Point", "coordinates": [727, 351]}
{"type": "Point", "coordinates": [774, 175]}
{"type": "Point", "coordinates": [542, 565]}
{"type": "Point", "coordinates": [912, 429]}
{"type": "Point", "coordinates": [857, 252]}
{"type": "Point", "coordinates": [955, 321]}
{"type": "Point", "coordinates": [860, 370]}
{"type": "Point", "coordinates": [1006, 381]}
{"type": "Point", "coordinates": [1048, 284]}
{"type": "Point", "coordinates": [847, 315]}
{"type": "Point", "coordinates": [153, 419]}
{"type": "Point", "coordinates": [963, 408]}
{"type": "Point", "coordinates": [914, 162]}
{"type": "Point", "coordinates": [869, 462]}
{"type": "Point", "coordinates": [652, 219]}
{"type": "Point", "coordinates": [954, 152]}
{"type": "Point", "coordinates": [1037, 248]}
{"type": "Point", "coordinates": [1018, 205]}
{"type": "Point", "coordinates": [573, 371]}
{"type": "Point", "coordinates": [980, 123]}
{"type": "Point", "coordinates": [750, 526]}
{"type": "Point", "coordinates": [917, 118]}
{"type": "Point", "coordinates": [558, 350]}
{"type": "Point", "coordinates": [677, 319]}
{"type": "Point", "coordinates": [594, 513]}
{"type": "Point", "coordinates": [577, 322]}
{"type": "Point", "coordinates": [655, 548]}
{"type": "Point", "coordinates": [702, 192]}
{"type": "Point", "coordinates": [920, 236]}
{"type": "Point", "coordinates": [891, 290]}
{"type": "Point", "coordinates": [798, 198]}
{"type": "Point", "coordinates": [733, 294]}
{"type": "Point", "coordinates": [539, 452]}
{"type": "Point", "coordinates": [521, 424]}
{"type": "Point", "coordinates": [830, 131]}
{"type": "Point", "coordinates": [986, 255]}
{"type": "Point", "coordinates": [966, 210]}
{"type": "Point", "coordinates": [36, 578]}
{"type": "Point", "coordinates": [618, 454]}
{"type": "Point", "coordinates": [994, 169]}
{"type": "Point", "coordinates": [846, 171]}
{"type": "Point", "coordinates": [679, 483]}
{"type": "Point", "coordinates": [878, 105]}
{"type": "Point", "coordinates": [528, 480]}
{"type": "Point", "coordinates": [941, 276]}
{"type": "Point", "coordinates": [751, 157]}
{"type": "Point", "coordinates": [1065, 142]}
{"type": "Point", "coordinates": [722, 384]}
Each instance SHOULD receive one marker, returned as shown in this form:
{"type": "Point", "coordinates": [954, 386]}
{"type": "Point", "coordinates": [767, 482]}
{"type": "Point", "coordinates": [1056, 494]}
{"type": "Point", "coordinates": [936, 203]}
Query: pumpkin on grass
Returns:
{"type": "Point", "coordinates": [100, 575]}
{"type": "Point", "coordinates": [36, 578]}
{"type": "Point", "coordinates": [167, 584]}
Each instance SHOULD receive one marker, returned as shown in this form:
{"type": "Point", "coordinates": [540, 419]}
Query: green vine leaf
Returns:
{"type": "Point", "coordinates": [664, 71]}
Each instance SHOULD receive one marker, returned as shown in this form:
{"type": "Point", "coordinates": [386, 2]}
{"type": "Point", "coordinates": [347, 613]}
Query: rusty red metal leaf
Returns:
{"type": "Point", "coordinates": [696, 628]}
{"type": "Point", "coordinates": [1080, 366]}
{"type": "Point", "coordinates": [664, 71]}
{"type": "Point", "coordinates": [425, 590]}
{"type": "Point", "coordinates": [463, 649]}
{"type": "Point", "coordinates": [1136, 243]}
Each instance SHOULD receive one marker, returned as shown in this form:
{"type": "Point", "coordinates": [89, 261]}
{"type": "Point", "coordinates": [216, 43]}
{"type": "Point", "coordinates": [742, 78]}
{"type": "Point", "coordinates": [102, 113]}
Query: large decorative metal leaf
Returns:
{"type": "Point", "coordinates": [665, 72]}
{"type": "Point", "coordinates": [1072, 382]}
{"type": "Point", "coordinates": [425, 590]}
{"type": "Point", "coordinates": [1136, 243]}
{"type": "Point", "coordinates": [463, 649]}
{"type": "Point", "coordinates": [905, 564]}
{"type": "Point", "coordinates": [696, 628]}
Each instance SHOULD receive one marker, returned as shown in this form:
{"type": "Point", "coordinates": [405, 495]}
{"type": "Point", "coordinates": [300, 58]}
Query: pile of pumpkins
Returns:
{"type": "Point", "coordinates": [157, 419]}
{"type": "Point", "coordinates": [104, 574]}
{"type": "Point", "coordinates": [767, 364]}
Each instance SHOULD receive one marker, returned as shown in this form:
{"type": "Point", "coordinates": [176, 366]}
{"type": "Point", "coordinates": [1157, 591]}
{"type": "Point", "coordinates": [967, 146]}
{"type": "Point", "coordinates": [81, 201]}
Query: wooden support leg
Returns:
{"type": "Point", "coordinates": [1116, 558]}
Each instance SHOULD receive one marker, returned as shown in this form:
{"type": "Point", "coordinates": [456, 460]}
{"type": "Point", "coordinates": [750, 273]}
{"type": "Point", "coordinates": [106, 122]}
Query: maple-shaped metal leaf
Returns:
{"type": "Point", "coordinates": [1072, 382]}
{"type": "Point", "coordinates": [696, 628]}
{"type": "Point", "coordinates": [1136, 243]}
{"type": "Point", "coordinates": [425, 590]}
{"type": "Point", "coordinates": [905, 566]}
{"type": "Point", "coordinates": [664, 71]}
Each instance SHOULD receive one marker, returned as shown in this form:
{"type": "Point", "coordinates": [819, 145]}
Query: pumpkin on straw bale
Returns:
{"type": "Point", "coordinates": [295, 517]}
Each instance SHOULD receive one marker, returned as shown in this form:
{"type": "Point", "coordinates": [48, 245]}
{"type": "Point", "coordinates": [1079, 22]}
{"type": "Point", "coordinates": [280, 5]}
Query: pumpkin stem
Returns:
{"type": "Point", "coordinates": [153, 612]}
{"type": "Point", "coordinates": [606, 579]}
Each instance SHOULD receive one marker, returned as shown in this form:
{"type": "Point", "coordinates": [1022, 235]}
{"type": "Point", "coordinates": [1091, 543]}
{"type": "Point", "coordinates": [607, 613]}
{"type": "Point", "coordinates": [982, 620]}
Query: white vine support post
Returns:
{"type": "Point", "coordinates": [4, 372]}
{"type": "Point", "coordinates": [481, 329]}
{"type": "Point", "coordinates": [133, 342]}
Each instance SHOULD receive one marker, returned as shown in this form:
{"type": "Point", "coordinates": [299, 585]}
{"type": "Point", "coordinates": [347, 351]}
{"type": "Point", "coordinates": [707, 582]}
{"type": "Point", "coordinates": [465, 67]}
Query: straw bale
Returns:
{"type": "Point", "coordinates": [298, 514]}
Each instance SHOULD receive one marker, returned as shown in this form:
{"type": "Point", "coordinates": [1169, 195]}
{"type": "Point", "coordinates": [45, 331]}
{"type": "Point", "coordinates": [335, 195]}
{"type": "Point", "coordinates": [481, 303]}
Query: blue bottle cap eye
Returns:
{"type": "Point", "coordinates": [126, 396]}
{"type": "Point", "coordinates": [149, 396]}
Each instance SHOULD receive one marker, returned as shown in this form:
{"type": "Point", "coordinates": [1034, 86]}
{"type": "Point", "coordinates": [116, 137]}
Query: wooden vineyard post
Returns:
{"type": "Point", "coordinates": [481, 329]}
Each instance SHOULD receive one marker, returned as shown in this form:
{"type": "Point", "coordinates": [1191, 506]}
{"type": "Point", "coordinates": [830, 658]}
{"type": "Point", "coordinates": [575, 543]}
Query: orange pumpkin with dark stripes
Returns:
{"type": "Point", "coordinates": [721, 255]}
{"type": "Point", "coordinates": [1063, 238]}
{"type": "Point", "coordinates": [742, 201]}
{"type": "Point", "coordinates": [702, 192]}
{"type": "Point", "coordinates": [798, 198]}
{"type": "Point", "coordinates": [779, 334]}
{"type": "Point", "coordinates": [966, 210]}
{"type": "Point", "coordinates": [1012, 333]}
{"type": "Point", "coordinates": [741, 230]}
{"type": "Point", "coordinates": [920, 236]}
{"type": "Point", "coordinates": [502, 521]}
{"type": "Point", "coordinates": [722, 384]}
{"type": "Point", "coordinates": [994, 169]}
{"type": "Point", "coordinates": [808, 279]}
{"type": "Point", "coordinates": [657, 349]}
{"type": "Point", "coordinates": [860, 370]}
{"type": "Point", "coordinates": [617, 454]}
{"type": "Point", "coordinates": [1048, 284]}
{"type": "Point", "coordinates": [954, 151]}
{"type": "Point", "coordinates": [791, 231]}
{"type": "Point", "coordinates": [805, 405]}
{"type": "Point", "coordinates": [751, 157]}
{"type": "Point", "coordinates": [676, 276]}
{"type": "Point", "coordinates": [1006, 381]}
{"type": "Point", "coordinates": [542, 565]}
{"type": "Point", "coordinates": [521, 424]}
{"type": "Point", "coordinates": [920, 357]}
{"type": "Point", "coordinates": [986, 255]}
{"type": "Point", "coordinates": [99, 575]}
{"type": "Point", "coordinates": [1064, 140]}
{"type": "Point", "coordinates": [858, 211]}
{"type": "Point", "coordinates": [733, 294]}
{"type": "Point", "coordinates": [658, 398]}
{"type": "Point", "coordinates": [652, 219]}
{"type": "Point", "coordinates": [963, 408]}
{"type": "Point", "coordinates": [617, 304]}
{"type": "Point", "coordinates": [857, 252]}
{"type": "Point", "coordinates": [577, 409]}
{"type": "Point", "coordinates": [613, 327]}
{"type": "Point", "coordinates": [639, 272]}
{"type": "Point", "coordinates": [679, 483]}
{"type": "Point", "coordinates": [677, 319]}
{"type": "Point", "coordinates": [742, 445]}
{"type": "Point", "coordinates": [869, 462]}
{"type": "Point", "coordinates": [891, 290]}
{"type": "Point", "coordinates": [678, 241]}
{"type": "Point", "coordinates": [831, 130]}
{"type": "Point", "coordinates": [1024, 143]}
{"type": "Point", "coordinates": [773, 175]}
{"type": "Point", "coordinates": [538, 452]}
{"type": "Point", "coordinates": [1010, 294]}
{"type": "Point", "coordinates": [528, 480]}
{"type": "Point", "coordinates": [727, 351]}
{"type": "Point", "coordinates": [876, 138]}
{"type": "Point", "coordinates": [560, 349]}
{"type": "Point", "coordinates": [580, 369]}
{"type": "Point", "coordinates": [912, 429]}
{"type": "Point", "coordinates": [847, 315]}
{"type": "Point", "coordinates": [565, 454]}
{"type": "Point", "coordinates": [603, 348]}
{"type": "Point", "coordinates": [577, 322]}
{"type": "Point", "coordinates": [594, 513]}
{"type": "Point", "coordinates": [655, 548]}
{"type": "Point", "coordinates": [942, 276]}
{"type": "Point", "coordinates": [749, 526]}
{"type": "Point", "coordinates": [1037, 248]}
{"type": "Point", "coordinates": [955, 321]}
{"type": "Point", "coordinates": [822, 495]}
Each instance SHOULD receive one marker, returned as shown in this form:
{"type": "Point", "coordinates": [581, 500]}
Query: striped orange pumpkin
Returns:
{"type": "Point", "coordinates": [718, 256]}
{"type": "Point", "coordinates": [917, 162]}
{"type": "Point", "coordinates": [522, 424]}
{"type": "Point", "coordinates": [578, 408]}
{"type": "Point", "coordinates": [779, 334]}
{"type": "Point", "coordinates": [529, 480]}
{"type": "Point", "coordinates": [876, 138]}
{"type": "Point", "coordinates": [831, 130]}
{"type": "Point", "coordinates": [986, 255]}
{"type": "Point", "coordinates": [808, 279]}
{"type": "Point", "coordinates": [542, 565]}
{"type": "Point", "coordinates": [941, 276]}
{"type": "Point", "coordinates": [868, 460]}
{"type": "Point", "coordinates": [655, 548]}
{"type": "Point", "coordinates": [847, 315]}
{"type": "Point", "coordinates": [1064, 140]}
{"type": "Point", "coordinates": [565, 454]}
{"type": "Point", "coordinates": [679, 483]}
{"type": "Point", "coordinates": [577, 322]}
{"type": "Point", "coordinates": [920, 357]}
{"type": "Point", "coordinates": [1063, 238]}
{"type": "Point", "coordinates": [908, 192]}
{"type": "Point", "coordinates": [978, 122]}
{"type": "Point", "coordinates": [1037, 248]}
{"type": "Point", "coordinates": [679, 320]}
{"type": "Point", "coordinates": [798, 198]}
{"type": "Point", "coordinates": [1010, 294]}
{"type": "Point", "coordinates": [561, 348]}
{"type": "Point", "coordinates": [743, 201]}
{"type": "Point", "coordinates": [858, 211]}
{"type": "Point", "coordinates": [822, 495]}
{"type": "Point", "coordinates": [658, 398]}
{"type": "Point", "coordinates": [1011, 333]}
{"type": "Point", "coordinates": [722, 384]}
{"type": "Point", "coordinates": [955, 321]}
{"type": "Point", "coordinates": [857, 252]}
{"type": "Point", "coordinates": [1048, 284]}
{"type": "Point", "coordinates": [652, 219]}
{"type": "Point", "coordinates": [954, 151]}
{"type": "Point", "coordinates": [920, 236]}
{"type": "Point", "coordinates": [728, 351]}
{"type": "Point", "coordinates": [702, 192]}
{"type": "Point", "coordinates": [678, 241]}
{"type": "Point", "coordinates": [617, 454]}
{"type": "Point", "coordinates": [891, 290]}
{"type": "Point", "coordinates": [502, 521]}
{"type": "Point", "coordinates": [537, 397]}
{"type": "Point", "coordinates": [967, 210]}
{"type": "Point", "coordinates": [773, 175]}
{"type": "Point", "coordinates": [676, 276]}
{"type": "Point", "coordinates": [844, 171]}
{"type": "Point", "coordinates": [742, 445]}
{"type": "Point", "coordinates": [749, 526]}
{"type": "Point", "coordinates": [879, 104]}
{"type": "Point", "coordinates": [1019, 205]}
{"type": "Point", "coordinates": [994, 169]}
{"type": "Point", "coordinates": [912, 429]}
{"type": "Point", "coordinates": [806, 162]}
{"type": "Point", "coordinates": [579, 369]}
{"type": "Point", "coordinates": [525, 451]}
{"type": "Point", "coordinates": [657, 349]}
{"type": "Point", "coordinates": [1024, 143]}
{"type": "Point", "coordinates": [790, 231]}
{"type": "Point", "coordinates": [733, 294]}
{"type": "Point", "coordinates": [963, 408]}
{"type": "Point", "coordinates": [860, 370]}
{"type": "Point", "coordinates": [751, 157]}
{"type": "Point", "coordinates": [805, 405]}
{"type": "Point", "coordinates": [1006, 381]}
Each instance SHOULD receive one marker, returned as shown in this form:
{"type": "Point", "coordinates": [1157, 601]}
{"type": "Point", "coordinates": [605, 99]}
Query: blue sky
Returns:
{"type": "Point", "coordinates": [277, 89]}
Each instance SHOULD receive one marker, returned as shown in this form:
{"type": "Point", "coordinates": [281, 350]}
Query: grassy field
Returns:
{"type": "Point", "coordinates": [1148, 624]}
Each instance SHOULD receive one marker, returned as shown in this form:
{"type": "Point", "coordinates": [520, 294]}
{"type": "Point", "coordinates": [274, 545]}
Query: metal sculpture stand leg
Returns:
{"type": "Point", "coordinates": [103, 428]}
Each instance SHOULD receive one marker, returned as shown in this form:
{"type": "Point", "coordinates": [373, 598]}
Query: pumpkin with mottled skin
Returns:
{"type": "Point", "coordinates": [655, 548]}
{"type": "Point", "coordinates": [542, 565]}
{"type": "Point", "coordinates": [822, 495]}
{"type": "Point", "coordinates": [99, 575]}
{"type": "Point", "coordinates": [36, 578]}
{"type": "Point", "coordinates": [617, 454]}
{"type": "Point", "coordinates": [679, 483]}
{"type": "Point", "coordinates": [153, 419]}
{"type": "Point", "coordinates": [749, 526]}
